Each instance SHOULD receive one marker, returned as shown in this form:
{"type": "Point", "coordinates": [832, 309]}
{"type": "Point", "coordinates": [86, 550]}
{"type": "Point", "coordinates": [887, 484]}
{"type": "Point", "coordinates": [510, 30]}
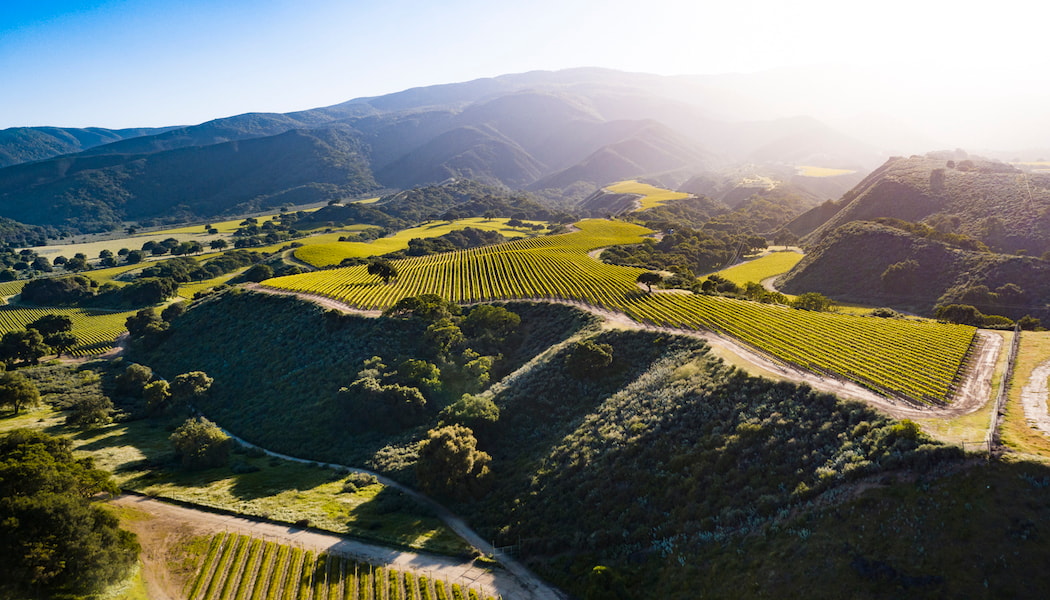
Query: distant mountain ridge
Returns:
{"type": "Point", "coordinates": [574, 129]}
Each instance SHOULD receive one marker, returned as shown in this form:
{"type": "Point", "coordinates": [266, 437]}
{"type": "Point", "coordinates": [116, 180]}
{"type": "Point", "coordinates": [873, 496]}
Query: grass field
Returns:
{"type": "Point", "coordinates": [1015, 432]}
{"type": "Point", "coordinates": [322, 254]}
{"type": "Point", "coordinates": [811, 171]}
{"type": "Point", "coordinates": [366, 201]}
{"type": "Point", "coordinates": [267, 487]}
{"type": "Point", "coordinates": [769, 265]}
{"type": "Point", "coordinates": [919, 360]}
{"type": "Point", "coordinates": [651, 196]}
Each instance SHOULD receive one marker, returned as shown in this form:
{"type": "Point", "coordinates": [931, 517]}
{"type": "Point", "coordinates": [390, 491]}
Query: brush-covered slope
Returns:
{"type": "Point", "coordinates": [877, 264]}
{"type": "Point", "coordinates": [655, 472]}
{"type": "Point", "coordinates": [994, 202]}
{"type": "Point", "coordinates": [95, 193]}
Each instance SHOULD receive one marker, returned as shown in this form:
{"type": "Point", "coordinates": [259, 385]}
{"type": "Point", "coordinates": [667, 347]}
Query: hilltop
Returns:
{"type": "Point", "coordinates": [1002, 206]}
{"type": "Point", "coordinates": [877, 264]}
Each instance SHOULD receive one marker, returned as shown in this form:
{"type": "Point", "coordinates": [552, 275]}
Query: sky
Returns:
{"type": "Point", "coordinates": [142, 63]}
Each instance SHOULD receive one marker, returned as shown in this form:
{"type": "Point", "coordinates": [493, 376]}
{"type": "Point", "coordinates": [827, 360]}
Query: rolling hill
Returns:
{"type": "Point", "coordinates": [1004, 207]}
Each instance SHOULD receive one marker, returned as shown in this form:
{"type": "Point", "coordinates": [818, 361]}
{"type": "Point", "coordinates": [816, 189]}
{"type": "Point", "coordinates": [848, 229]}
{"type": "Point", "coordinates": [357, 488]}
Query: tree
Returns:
{"type": "Point", "coordinates": [382, 269]}
{"type": "Point", "coordinates": [450, 463]}
{"type": "Point", "coordinates": [54, 543]}
{"type": "Point", "coordinates": [258, 273]}
{"type": "Point", "coordinates": [963, 314]}
{"type": "Point", "coordinates": [51, 323]}
{"type": "Point", "coordinates": [144, 323]}
{"type": "Point", "coordinates": [218, 244]}
{"type": "Point", "coordinates": [61, 342]}
{"type": "Point", "coordinates": [648, 279]}
{"type": "Point", "coordinates": [41, 264]}
{"type": "Point", "coordinates": [188, 387]}
{"type": "Point", "coordinates": [90, 411]}
{"type": "Point", "coordinates": [134, 379]}
{"type": "Point", "coordinates": [588, 358]}
{"type": "Point", "coordinates": [200, 444]}
{"type": "Point", "coordinates": [157, 395]}
{"type": "Point", "coordinates": [429, 307]}
{"type": "Point", "coordinates": [812, 301]}
{"type": "Point", "coordinates": [489, 326]}
{"type": "Point", "coordinates": [25, 345]}
{"type": "Point", "coordinates": [17, 391]}
{"type": "Point", "coordinates": [479, 413]}
{"type": "Point", "coordinates": [173, 311]}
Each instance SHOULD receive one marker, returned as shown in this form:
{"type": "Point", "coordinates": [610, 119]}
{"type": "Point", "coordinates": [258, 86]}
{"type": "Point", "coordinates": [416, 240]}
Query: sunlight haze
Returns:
{"type": "Point", "coordinates": [133, 63]}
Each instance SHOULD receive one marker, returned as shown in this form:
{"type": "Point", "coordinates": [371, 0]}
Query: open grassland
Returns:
{"type": "Point", "coordinates": [243, 568]}
{"type": "Point", "coordinates": [651, 196]}
{"type": "Point", "coordinates": [811, 171]}
{"type": "Point", "coordinates": [95, 329]}
{"type": "Point", "coordinates": [365, 201]}
{"type": "Point", "coordinates": [272, 488]}
{"type": "Point", "coordinates": [222, 226]}
{"type": "Point", "coordinates": [1015, 431]}
{"type": "Point", "coordinates": [321, 254]}
{"type": "Point", "coordinates": [772, 264]}
{"type": "Point", "coordinates": [917, 360]}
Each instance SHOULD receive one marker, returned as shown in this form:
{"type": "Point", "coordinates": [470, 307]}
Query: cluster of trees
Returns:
{"type": "Point", "coordinates": [251, 234]}
{"type": "Point", "coordinates": [49, 333]}
{"type": "Point", "coordinates": [967, 314]}
{"type": "Point", "coordinates": [81, 290]}
{"type": "Point", "coordinates": [54, 542]}
{"type": "Point", "coordinates": [455, 240]}
{"type": "Point", "coordinates": [456, 361]}
{"type": "Point", "coordinates": [686, 252]}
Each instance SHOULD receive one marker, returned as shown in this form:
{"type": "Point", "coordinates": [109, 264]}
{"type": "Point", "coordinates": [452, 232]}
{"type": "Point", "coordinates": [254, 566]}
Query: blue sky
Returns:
{"type": "Point", "coordinates": [124, 63]}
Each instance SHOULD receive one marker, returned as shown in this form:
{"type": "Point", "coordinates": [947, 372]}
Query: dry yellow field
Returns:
{"type": "Point", "coordinates": [811, 171]}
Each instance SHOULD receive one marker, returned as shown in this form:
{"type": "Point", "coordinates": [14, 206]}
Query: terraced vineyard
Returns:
{"type": "Point", "coordinates": [916, 360]}
{"type": "Point", "coordinates": [95, 329]}
{"type": "Point", "coordinates": [238, 567]}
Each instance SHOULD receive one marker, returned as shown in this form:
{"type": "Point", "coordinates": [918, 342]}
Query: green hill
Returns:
{"type": "Point", "coordinates": [27, 144]}
{"type": "Point", "coordinates": [1002, 206]}
{"type": "Point", "coordinates": [96, 193]}
{"type": "Point", "coordinates": [876, 264]}
{"type": "Point", "coordinates": [656, 472]}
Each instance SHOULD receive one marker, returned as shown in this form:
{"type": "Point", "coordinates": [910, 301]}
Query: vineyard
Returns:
{"type": "Point", "coordinates": [95, 329]}
{"type": "Point", "coordinates": [913, 359]}
{"type": "Point", "coordinates": [323, 253]}
{"type": "Point", "coordinates": [651, 196]}
{"type": "Point", "coordinates": [238, 567]}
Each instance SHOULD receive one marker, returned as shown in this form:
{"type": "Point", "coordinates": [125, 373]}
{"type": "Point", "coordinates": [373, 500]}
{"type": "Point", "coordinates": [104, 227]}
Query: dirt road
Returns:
{"type": "Point", "coordinates": [170, 517]}
{"type": "Point", "coordinates": [1034, 399]}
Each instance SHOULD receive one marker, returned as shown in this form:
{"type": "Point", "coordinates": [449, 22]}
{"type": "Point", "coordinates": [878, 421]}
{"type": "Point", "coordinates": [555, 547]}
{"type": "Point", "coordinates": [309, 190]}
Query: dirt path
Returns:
{"type": "Point", "coordinates": [529, 586]}
{"type": "Point", "coordinates": [1034, 398]}
{"type": "Point", "coordinates": [166, 517]}
{"type": "Point", "coordinates": [974, 390]}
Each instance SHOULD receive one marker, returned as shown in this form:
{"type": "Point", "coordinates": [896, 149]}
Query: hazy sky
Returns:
{"type": "Point", "coordinates": [124, 63]}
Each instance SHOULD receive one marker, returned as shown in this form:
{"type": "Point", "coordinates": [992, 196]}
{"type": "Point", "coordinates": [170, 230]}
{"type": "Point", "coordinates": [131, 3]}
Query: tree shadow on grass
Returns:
{"type": "Point", "coordinates": [274, 476]}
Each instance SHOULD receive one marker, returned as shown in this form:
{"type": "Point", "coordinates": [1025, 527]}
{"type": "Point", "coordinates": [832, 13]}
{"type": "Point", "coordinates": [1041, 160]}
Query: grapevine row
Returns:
{"type": "Point", "coordinates": [238, 566]}
{"type": "Point", "coordinates": [917, 360]}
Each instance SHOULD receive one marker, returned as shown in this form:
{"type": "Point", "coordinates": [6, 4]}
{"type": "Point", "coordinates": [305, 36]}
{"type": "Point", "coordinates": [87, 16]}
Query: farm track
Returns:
{"type": "Point", "coordinates": [496, 581]}
{"type": "Point", "coordinates": [974, 390]}
{"type": "Point", "coordinates": [1034, 399]}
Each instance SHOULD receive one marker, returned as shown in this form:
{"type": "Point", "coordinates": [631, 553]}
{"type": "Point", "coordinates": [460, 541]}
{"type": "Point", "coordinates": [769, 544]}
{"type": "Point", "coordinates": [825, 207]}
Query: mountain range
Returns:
{"type": "Point", "coordinates": [561, 132]}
